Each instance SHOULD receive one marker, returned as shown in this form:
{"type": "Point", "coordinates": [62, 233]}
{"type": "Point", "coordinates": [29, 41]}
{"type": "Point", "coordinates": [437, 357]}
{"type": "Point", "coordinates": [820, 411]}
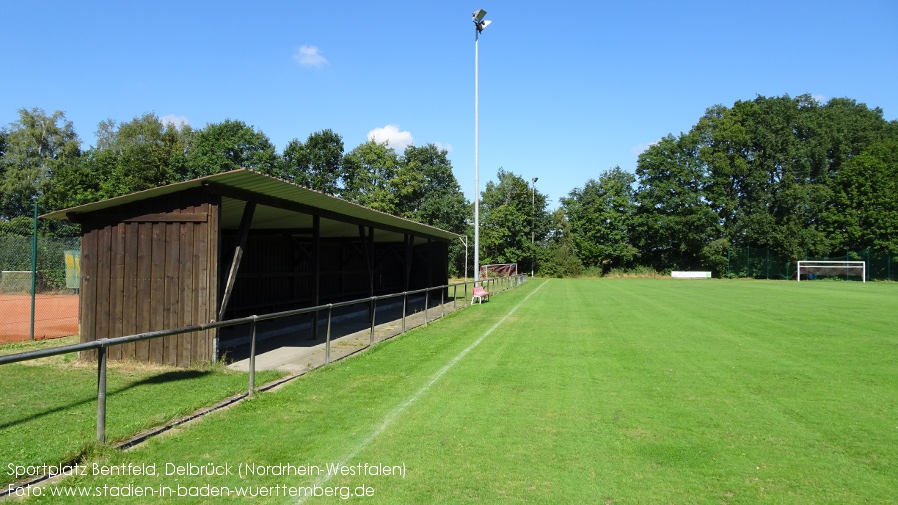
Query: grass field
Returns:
{"type": "Point", "coordinates": [570, 391]}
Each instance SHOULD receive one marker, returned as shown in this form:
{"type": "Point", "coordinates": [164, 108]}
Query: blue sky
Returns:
{"type": "Point", "coordinates": [568, 89]}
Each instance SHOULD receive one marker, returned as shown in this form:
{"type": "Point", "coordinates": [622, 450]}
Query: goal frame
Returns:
{"type": "Point", "coordinates": [498, 270]}
{"type": "Point", "coordinates": [842, 264]}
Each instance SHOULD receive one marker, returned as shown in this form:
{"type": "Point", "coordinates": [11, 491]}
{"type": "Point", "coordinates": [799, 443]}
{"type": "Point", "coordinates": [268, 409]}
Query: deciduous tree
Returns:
{"type": "Point", "coordinates": [675, 223]}
{"type": "Point", "coordinates": [601, 214]}
{"type": "Point", "coordinates": [368, 171]}
{"type": "Point", "coordinates": [317, 163]}
{"type": "Point", "coordinates": [864, 212]}
{"type": "Point", "coordinates": [229, 145]}
{"type": "Point", "coordinates": [511, 213]}
{"type": "Point", "coordinates": [36, 146]}
{"type": "Point", "coordinates": [559, 257]}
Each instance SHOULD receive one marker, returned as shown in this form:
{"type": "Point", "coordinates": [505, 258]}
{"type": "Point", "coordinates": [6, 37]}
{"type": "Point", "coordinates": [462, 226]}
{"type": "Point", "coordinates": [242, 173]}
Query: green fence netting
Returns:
{"type": "Point", "coordinates": [760, 263]}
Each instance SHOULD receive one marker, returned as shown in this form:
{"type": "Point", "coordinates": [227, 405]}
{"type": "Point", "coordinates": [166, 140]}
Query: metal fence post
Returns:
{"type": "Point", "coordinates": [252, 356]}
{"type": "Point", "coordinates": [33, 271]}
{"type": "Point", "coordinates": [101, 394]}
{"type": "Point", "coordinates": [729, 271]}
{"type": "Point", "coordinates": [442, 302]}
{"type": "Point", "coordinates": [426, 303]}
{"type": "Point", "coordinates": [454, 296]}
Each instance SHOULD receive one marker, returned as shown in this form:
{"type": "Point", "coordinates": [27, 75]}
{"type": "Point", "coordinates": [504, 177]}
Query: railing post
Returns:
{"type": "Point", "coordinates": [252, 356]}
{"type": "Point", "coordinates": [426, 303]}
{"type": "Point", "coordinates": [454, 296]}
{"type": "Point", "coordinates": [442, 302]}
{"type": "Point", "coordinates": [101, 394]}
{"type": "Point", "coordinates": [327, 341]}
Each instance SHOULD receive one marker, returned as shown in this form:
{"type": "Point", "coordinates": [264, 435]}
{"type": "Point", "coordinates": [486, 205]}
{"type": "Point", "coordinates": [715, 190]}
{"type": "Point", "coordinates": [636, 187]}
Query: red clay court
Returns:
{"type": "Point", "coordinates": [54, 316]}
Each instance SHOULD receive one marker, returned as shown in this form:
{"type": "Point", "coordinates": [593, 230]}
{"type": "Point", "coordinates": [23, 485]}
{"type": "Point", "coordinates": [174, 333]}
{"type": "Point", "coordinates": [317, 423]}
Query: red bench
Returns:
{"type": "Point", "coordinates": [479, 294]}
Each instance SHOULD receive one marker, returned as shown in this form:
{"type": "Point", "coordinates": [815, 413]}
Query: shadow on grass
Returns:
{"type": "Point", "coordinates": [162, 378]}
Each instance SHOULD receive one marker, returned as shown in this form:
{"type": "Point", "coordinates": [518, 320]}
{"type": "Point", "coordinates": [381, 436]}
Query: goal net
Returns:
{"type": "Point", "coordinates": [847, 270]}
{"type": "Point", "coordinates": [498, 270]}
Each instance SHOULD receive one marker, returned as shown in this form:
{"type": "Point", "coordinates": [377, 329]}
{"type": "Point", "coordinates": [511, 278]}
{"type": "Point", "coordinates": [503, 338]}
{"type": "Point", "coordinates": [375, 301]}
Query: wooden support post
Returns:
{"type": "Point", "coordinates": [409, 251]}
{"type": "Point", "coordinates": [316, 271]}
{"type": "Point", "coordinates": [245, 223]}
{"type": "Point", "coordinates": [430, 263]}
{"type": "Point", "coordinates": [368, 257]}
{"type": "Point", "coordinates": [370, 252]}
{"type": "Point", "coordinates": [429, 275]}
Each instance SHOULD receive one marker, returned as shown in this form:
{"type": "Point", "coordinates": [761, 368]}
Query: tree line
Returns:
{"type": "Point", "coordinates": [797, 176]}
{"type": "Point", "coordinates": [801, 178]}
{"type": "Point", "coordinates": [42, 161]}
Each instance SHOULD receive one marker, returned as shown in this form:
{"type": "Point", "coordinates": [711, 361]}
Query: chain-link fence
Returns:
{"type": "Point", "coordinates": [760, 263]}
{"type": "Point", "coordinates": [43, 304]}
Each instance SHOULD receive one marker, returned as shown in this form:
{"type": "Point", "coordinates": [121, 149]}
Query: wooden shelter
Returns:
{"type": "Point", "coordinates": [235, 244]}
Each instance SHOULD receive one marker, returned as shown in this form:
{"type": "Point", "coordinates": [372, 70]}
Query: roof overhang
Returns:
{"type": "Point", "coordinates": [280, 205]}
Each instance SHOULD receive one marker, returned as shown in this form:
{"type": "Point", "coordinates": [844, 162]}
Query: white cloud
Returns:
{"type": "Point", "coordinates": [821, 99]}
{"type": "Point", "coordinates": [640, 148]}
{"type": "Point", "coordinates": [177, 121]}
{"type": "Point", "coordinates": [390, 134]}
{"type": "Point", "coordinates": [308, 56]}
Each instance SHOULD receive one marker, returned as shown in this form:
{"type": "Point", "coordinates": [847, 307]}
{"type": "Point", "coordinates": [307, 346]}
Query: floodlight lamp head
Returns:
{"type": "Point", "coordinates": [478, 15]}
{"type": "Point", "coordinates": [535, 179]}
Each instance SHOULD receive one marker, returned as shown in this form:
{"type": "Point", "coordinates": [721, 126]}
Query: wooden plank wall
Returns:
{"type": "Point", "coordinates": [149, 266]}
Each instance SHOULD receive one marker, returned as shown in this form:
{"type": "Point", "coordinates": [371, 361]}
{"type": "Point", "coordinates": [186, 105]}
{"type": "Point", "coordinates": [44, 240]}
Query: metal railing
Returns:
{"type": "Point", "coordinates": [102, 345]}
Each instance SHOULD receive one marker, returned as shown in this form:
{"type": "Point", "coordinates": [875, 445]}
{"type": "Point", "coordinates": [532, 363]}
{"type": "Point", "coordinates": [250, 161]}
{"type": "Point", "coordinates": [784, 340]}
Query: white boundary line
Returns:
{"type": "Point", "coordinates": [412, 399]}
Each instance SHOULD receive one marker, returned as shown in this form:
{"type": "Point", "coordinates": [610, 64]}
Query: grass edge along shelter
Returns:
{"type": "Point", "coordinates": [234, 244]}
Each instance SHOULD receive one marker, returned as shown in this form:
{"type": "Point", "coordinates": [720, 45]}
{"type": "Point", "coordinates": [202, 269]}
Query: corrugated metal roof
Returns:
{"type": "Point", "coordinates": [249, 181]}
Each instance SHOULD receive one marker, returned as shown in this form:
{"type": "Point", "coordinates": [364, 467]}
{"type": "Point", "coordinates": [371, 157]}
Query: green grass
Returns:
{"type": "Point", "coordinates": [590, 391]}
{"type": "Point", "coordinates": [50, 405]}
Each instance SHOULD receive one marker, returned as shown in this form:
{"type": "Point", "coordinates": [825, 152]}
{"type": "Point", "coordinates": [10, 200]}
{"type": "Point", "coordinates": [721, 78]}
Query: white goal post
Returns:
{"type": "Point", "coordinates": [828, 268]}
{"type": "Point", "coordinates": [498, 270]}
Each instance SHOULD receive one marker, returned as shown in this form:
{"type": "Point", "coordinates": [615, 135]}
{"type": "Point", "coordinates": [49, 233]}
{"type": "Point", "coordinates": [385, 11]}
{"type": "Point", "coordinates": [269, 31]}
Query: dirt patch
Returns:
{"type": "Point", "coordinates": [54, 316]}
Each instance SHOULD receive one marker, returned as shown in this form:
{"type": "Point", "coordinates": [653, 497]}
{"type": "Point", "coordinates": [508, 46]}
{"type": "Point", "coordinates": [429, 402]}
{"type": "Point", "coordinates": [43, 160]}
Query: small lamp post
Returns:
{"type": "Point", "coordinates": [533, 225]}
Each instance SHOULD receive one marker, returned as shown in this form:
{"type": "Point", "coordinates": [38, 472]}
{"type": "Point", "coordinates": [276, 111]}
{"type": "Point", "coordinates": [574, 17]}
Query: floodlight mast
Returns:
{"type": "Point", "coordinates": [479, 25]}
{"type": "Point", "coordinates": [478, 15]}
